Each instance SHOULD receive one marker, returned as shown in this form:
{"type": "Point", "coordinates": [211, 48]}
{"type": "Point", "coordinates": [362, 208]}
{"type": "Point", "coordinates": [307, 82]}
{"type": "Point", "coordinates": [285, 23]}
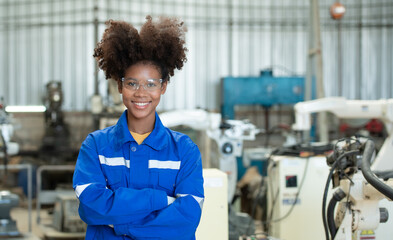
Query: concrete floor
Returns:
{"type": "Point", "coordinates": [42, 231]}
{"type": "Point", "coordinates": [21, 216]}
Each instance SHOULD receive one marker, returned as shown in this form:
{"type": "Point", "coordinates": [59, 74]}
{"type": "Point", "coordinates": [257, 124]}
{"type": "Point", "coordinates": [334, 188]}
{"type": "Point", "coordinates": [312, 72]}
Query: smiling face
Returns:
{"type": "Point", "coordinates": [141, 104]}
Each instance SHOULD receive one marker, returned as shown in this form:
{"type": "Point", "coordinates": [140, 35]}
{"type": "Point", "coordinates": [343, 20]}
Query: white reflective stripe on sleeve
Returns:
{"type": "Point", "coordinates": [80, 188]}
{"type": "Point", "coordinates": [164, 164]}
{"type": "Point", "coordinates": [170, 200]}
{"type": "Point", "coordinates": [116, 161]}
{"type": "Point", "coordinates": [198, 199]}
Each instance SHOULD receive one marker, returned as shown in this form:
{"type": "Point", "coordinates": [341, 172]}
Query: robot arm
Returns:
{"type": "Point", "coordinates": [342, 108]}
{"type": "Point", "coordinates": [211, 123]}
{"type": "Point", "coordinates": [359, 192]}
{"type": "Point", "coordinates": [197, 119]}
{"type": "Point", "coordinates": [229, 137]}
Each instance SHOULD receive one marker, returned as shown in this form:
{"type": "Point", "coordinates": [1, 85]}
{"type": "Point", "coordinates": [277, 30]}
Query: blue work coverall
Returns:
{"type": "Point", "coordinates": [123, 187]}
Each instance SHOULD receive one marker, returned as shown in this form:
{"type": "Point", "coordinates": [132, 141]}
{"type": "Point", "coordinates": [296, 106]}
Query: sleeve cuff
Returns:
{"type": "Point", "coordinates": [120, 229]}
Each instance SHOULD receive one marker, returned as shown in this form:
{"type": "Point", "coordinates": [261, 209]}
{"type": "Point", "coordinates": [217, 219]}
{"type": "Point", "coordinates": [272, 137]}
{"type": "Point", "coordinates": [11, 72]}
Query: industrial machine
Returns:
{"type": "Point", "coordinates": [229, 136]}
{"type": "Point", "coordinates": [214, 219]}
{"type": "Point", "coordinates": [55, 146]}
{"type": "Point", "coordinates": [358, 192]}
{"type": "Point", "coordinates": [358, 214]}
{"type": "Point", "coordinates": [352, 109]}
{"type": "Point", "coordinates": [219, 184]}
{"type": "Point", "coordinates": [8, 226]}
{"type": "Point", "coordinates": [8, 200]}
{"type": "Point", "coordinates": [293, 198]}
{"type": "Point", "coordinates": [265, 90]}
{"type": "Point", "coordinates": [66, 217]}
{"type": "Point", "coordinates": [7, 147]}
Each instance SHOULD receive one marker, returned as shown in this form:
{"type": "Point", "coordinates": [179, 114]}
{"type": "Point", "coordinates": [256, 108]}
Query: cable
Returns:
{"type": "Point", "coordinates": [327, 188]}
{"type": "Point", "coordinates": [296, 197]}
{"type": "Point", "coordinates": [292, 152]}
{"type": "Point", "coordinates": [5, 151]}
{"type": "Point", "coordinates": [338, 195]}
{"type": "Point", "coordinates": [274, 197]}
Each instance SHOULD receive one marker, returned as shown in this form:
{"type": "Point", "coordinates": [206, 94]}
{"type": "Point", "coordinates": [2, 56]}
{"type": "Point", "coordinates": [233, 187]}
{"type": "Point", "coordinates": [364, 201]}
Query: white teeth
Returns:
{"type": "Point", "coordinates": [141, 104]}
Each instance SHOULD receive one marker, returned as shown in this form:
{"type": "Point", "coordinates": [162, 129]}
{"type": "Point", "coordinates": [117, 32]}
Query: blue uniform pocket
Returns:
{"type": "Point", "coordinates": [163, 179]}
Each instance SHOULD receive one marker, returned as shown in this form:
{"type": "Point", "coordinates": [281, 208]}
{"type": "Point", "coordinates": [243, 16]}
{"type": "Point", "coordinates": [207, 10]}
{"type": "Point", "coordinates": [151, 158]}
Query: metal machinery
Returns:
{"type": "Point", "coordinates": [362, 193]}
{"type": "Point", "coordinates": [265, 90]}
{"type": "Point", "coordinates": [66, 217]}
{"type": "Point", "coordinates": [219, 185]}
{"type": "Point", "coordinates": [7, 148]}
{"type": "Point", "coordinates": [56, 142]}
{"type": "Point", "coordinates": [360, 109]}
{"type": "Point", "coordinates": [228, 135]}
{"type": "Point", "coordinates": [357, 194]}
{"type": "Point", "coordinates": [8, 200]}
{"type": "Point", "coordinates": [214, 219]}
{"type": "Point", "coordinates": [293, 201]}
{"type": "Point", "coordinates": [8, 227]}
{"type": "Point", "coordinates": [65, 223]}
{"type": "Point", "coordinates": [54, 175]}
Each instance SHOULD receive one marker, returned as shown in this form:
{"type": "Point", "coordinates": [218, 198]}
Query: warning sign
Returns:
{"type": "Point", "coordinates": [367, 234]}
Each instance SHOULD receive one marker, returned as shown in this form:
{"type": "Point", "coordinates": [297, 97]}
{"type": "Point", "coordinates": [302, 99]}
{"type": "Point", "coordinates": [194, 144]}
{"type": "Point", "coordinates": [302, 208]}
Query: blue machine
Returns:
{"type": "Point", "coordinates": [265, 90]}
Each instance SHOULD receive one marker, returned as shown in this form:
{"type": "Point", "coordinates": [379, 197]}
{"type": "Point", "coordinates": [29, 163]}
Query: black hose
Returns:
{"type": "Point", "coordinates": [325, 197]}
{"type": "Point", "coordinates": [369, 175]}
{"type": "Point", "coordinates": [385, 175]}
{"type": "Point", "coordinates": [335, 164]}
{"type": "Point", "coordinates": [338, 195]}
{"type": "Point", "coordinates": [5, 151]}
{"type": "Point", "coordinates": [330, 217]}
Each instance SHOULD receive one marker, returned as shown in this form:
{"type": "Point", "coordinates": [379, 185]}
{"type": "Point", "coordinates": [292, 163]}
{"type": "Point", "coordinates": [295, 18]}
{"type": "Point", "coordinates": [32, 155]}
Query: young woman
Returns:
{"type": "Point", "coordinates": [138, 179]}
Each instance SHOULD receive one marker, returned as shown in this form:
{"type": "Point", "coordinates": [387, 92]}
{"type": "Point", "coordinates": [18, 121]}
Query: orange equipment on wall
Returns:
{"type": "Point", "coordinates": [337, 10]}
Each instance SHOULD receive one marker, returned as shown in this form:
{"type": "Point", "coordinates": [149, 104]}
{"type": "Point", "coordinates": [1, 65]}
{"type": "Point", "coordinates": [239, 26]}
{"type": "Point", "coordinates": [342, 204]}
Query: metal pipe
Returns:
{"type": "Point", "coordinates": [359, 59]}
{"type": "Point", "coordinates": [309, 64]}
{"type": "Point", "coordinates": [322, 117]}
{"type": "Point", "coordinates": [230, 37]}
{"type": "Point", "coordinates": [96, 37]}
{"type": "Point", "coordinates": [39, 181]}
{"type": "Point", "coordinates": [339, 59]}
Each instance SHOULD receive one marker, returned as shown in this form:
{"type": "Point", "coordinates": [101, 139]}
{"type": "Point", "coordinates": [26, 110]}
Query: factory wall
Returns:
{"type": "Point", "coordinates": [46, 40]}
{"type": "Point", "coordinates": [29, 129]}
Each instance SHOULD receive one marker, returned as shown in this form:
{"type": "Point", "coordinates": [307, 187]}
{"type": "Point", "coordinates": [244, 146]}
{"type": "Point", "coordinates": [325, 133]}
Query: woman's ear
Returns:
{"type": "Point", "coordinates": [163, 88]}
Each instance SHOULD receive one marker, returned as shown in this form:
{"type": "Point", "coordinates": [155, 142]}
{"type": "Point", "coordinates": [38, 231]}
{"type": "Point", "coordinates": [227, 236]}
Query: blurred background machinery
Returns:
{"type": "Point", "coordinates": [249, 62]}
{"type": "Point", "coordinates": [56, 146]}
{"type": "Point", "coordinates": [8, 226]}
{"type": "Point", "coordinates": [265, 90]}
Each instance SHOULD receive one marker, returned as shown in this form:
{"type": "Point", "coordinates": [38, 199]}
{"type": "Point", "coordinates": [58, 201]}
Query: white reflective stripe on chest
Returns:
{"type": "Point", "coordinates": [164, 164]}
{"type": "Point", "coordinates": [116, 161]}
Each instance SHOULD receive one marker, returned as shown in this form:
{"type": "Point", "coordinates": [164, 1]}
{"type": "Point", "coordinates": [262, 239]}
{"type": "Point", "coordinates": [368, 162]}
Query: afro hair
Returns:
{"type": "Point", "coordinates": [161, 43]}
